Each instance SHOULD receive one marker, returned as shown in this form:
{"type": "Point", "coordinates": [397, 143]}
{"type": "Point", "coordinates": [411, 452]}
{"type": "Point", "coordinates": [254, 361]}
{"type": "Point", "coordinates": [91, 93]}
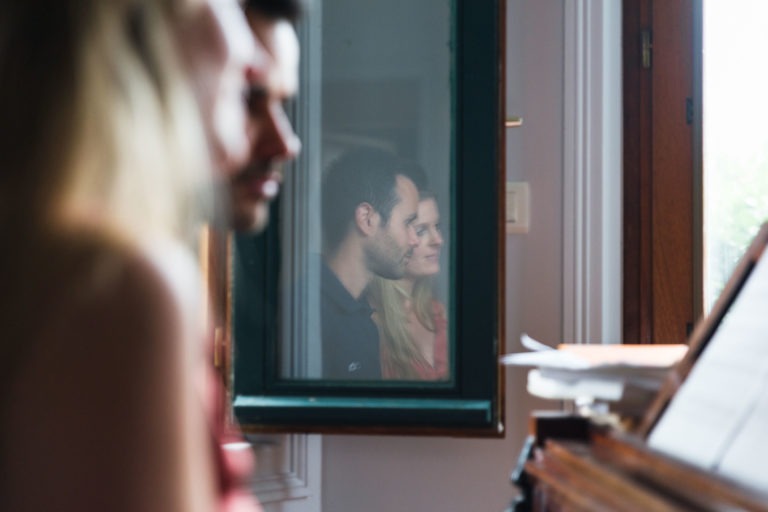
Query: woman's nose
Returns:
{"type": "Point", "coordinates": [436, 238]}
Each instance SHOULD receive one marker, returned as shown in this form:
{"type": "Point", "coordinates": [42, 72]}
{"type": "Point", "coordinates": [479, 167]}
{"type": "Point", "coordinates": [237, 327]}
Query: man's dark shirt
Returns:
{"type": "Point", "coordinates": [350, 338]}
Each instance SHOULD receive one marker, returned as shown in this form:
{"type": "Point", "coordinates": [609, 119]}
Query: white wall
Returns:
{"type": "Point", "coordinates": [386, 474]}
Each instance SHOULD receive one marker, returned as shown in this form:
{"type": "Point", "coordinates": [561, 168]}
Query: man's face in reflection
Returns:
{"type": "Point", "coordinates": [271, 136]}
{"type": "Point", "coordinates": [391, 246]}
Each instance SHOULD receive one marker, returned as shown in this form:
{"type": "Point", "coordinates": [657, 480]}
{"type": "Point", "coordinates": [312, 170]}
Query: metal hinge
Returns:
{"type": "Point", "coordinates": [647, 46]}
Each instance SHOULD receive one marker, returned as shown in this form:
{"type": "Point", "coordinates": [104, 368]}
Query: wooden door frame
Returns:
{"type": "Point", "coordinates": [661, 216]}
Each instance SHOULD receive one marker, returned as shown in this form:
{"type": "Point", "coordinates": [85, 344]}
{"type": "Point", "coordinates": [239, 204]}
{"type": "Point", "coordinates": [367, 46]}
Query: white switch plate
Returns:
{"type": "Point", "coordinates": [518, 207]}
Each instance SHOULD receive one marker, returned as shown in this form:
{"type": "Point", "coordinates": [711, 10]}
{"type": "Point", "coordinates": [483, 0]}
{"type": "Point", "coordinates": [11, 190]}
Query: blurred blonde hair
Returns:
{"type": "Point", "coordinates": [98, 123]}
{"type": "Point", "coordinates": [393, 307]}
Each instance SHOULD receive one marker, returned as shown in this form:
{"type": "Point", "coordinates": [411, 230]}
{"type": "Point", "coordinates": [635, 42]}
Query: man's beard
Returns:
{"type": "Point", "coordinates": [386, 259]}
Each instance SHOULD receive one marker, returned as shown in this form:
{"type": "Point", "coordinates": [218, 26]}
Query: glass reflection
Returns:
{"type": "Point", "coordinates": [412, 321]}
{"type": "Point", "coordinates": [357, 301]}
{"type": "Point", "coordinates": [369, 211]}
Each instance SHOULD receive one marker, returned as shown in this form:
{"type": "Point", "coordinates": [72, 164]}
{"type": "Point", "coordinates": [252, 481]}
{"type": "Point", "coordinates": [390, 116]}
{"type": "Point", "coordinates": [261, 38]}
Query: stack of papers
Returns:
{"type": "Point", "coordinates": [627, 375]}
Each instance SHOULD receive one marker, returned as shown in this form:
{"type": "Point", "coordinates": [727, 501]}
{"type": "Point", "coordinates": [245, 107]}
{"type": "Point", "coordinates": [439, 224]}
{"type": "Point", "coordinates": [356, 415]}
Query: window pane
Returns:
{"type": "Point", "coordinates": [365, 283]}
{"type": "Point", "coordinates": [735, 137]}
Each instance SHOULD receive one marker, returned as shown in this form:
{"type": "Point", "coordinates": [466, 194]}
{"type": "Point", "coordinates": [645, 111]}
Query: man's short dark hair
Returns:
{"type": "Point", "coordinates": [417, 174]}
{"type": "Point", "coordinates": [276, 9]}
{"type": "Point", "coordinates": [363, 175]}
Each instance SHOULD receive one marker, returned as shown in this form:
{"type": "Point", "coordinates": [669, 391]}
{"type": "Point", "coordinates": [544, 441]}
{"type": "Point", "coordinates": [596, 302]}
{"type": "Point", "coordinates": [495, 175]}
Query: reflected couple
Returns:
{"type": "Point", "coordinates": [381, 247]}
{"type": "Point", "coordinates": [412, 321]}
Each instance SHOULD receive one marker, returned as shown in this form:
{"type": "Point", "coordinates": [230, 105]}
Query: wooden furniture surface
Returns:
{"type": "Point", "coordinates": [569, 463]}
{"type": "Point", "coordinates": [575, 465]}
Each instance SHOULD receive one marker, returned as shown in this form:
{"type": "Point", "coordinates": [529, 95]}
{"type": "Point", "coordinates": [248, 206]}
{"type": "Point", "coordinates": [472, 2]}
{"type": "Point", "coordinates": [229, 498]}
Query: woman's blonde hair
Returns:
{"type": "Point", "coordinates": [98, 122]}
{"type": "Point", "coordinates": [393, 307]}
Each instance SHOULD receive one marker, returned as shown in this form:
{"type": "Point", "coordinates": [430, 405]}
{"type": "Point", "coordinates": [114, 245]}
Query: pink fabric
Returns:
{"type": "Point", "coordinates": [423, 370]}
{"type": "Point", "coordinates": [440, 369]}
{"type": "Point", "coordinates": [233, 456]}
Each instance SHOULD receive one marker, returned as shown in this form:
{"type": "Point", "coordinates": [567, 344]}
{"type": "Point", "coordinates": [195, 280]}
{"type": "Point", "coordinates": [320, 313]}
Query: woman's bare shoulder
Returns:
{"type": "Point", "coordinates": [97, 296]}
{"type": "Point", "coordinates": [108, 358]}
{"type": "Point", "coordinates": [92, 270]}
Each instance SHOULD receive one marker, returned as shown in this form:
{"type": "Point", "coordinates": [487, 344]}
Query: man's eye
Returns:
{"type": "Point", "coordinates": [421, 231]}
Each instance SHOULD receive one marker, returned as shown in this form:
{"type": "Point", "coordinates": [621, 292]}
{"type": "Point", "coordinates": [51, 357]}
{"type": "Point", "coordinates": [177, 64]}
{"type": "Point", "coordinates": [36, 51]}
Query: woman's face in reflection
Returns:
{"type": "Point", "coordinates": [219, 52]}
{"type": "Point", "coordinates": [425, 260]}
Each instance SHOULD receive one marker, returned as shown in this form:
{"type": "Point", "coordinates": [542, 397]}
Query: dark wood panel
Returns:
{"type": "Point", "coordinates": [577, 465]}
{"type": "Point", "coordinates": [672, 165]}
{"type": "Point", "coordinates": [658, 172]}
{"type": "Point", "coordinates": [637, 265]}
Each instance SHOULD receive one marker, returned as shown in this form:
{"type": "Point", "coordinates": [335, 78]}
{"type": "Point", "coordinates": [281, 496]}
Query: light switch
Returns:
{"type": "Point", "coordinates": [518, 207]}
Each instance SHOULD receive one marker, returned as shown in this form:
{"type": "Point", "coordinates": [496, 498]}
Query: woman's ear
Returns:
{"type": "Point", "coordinates": [366, 219]}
